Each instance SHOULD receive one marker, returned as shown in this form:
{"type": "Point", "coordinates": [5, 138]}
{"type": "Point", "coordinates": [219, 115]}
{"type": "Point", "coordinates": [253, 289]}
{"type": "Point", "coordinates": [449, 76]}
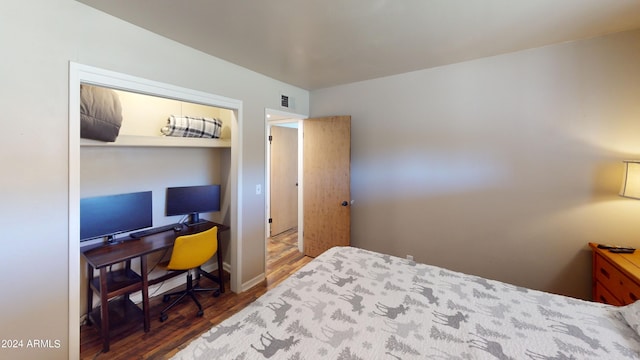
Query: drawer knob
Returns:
{"type": "Point", "coordinates": [605, 273]}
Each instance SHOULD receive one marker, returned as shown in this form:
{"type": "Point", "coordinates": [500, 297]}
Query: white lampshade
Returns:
{"type": "Point", "coordinates": [631, 179]}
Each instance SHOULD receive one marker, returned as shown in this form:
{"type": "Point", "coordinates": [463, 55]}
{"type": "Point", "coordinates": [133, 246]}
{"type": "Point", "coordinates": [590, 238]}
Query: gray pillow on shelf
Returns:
{"type": "Point", "coordinates": [100, 113]}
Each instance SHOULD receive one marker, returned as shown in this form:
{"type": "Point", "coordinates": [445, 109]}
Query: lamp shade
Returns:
{"type": "Point", "coordinates": [631, 179]}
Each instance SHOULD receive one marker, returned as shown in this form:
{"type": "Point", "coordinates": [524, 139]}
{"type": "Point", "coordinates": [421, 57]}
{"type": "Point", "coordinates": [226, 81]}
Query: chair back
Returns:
{"type": "Point", "coordinates": [191, 251]}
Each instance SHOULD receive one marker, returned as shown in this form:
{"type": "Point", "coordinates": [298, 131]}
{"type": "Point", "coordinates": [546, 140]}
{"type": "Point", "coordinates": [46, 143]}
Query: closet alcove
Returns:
{"type": "Point", "coordinates": [141, 159]}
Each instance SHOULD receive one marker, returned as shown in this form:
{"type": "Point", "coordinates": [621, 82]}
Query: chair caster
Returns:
{"type": "Point", "coordinates": [166, 298]}
{"type": "Point", "coordinates": [200, 313]}
{"type": "Point", "coordinates": [216, 293]}
{"type": "Point", "coordinates": [163, 317]}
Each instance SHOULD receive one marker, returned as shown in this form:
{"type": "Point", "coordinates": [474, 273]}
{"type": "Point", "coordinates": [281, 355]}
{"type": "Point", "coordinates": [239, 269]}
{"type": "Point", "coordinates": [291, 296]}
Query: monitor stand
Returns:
{"type": "Point", "coordinates": [111, 240]}
{"type": "Point", "coordinates": [194, 219]}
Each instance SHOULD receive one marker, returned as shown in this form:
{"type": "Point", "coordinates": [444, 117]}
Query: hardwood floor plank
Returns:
{"type": "Point", "coordinates": [165, 339]}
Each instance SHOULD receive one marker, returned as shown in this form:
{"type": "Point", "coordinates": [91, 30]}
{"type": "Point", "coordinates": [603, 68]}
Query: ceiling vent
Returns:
{"type": "Point", "coordinates": [286, 102]}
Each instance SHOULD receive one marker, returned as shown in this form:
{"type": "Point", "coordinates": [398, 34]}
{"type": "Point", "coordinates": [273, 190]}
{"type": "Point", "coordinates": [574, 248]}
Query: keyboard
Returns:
{"type": "Point", "coordinates": [155, 230]}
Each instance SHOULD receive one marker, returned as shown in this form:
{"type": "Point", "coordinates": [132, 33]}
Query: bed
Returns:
{"type": "Point", "coordinates": [350, 303]}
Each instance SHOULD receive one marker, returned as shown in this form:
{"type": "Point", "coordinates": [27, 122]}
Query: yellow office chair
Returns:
{"type": "Point", "coordinates": [189, 253]}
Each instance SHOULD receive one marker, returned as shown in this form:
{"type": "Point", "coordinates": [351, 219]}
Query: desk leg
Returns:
{"type": "Point", "coordinates": [145, 292]}
{"type": "Point", "coordinates": [127, 266]}
{"type": "Point", "coordinates": [89, 294]}
{"type": "Point", "coordinates": [104, 309]}
{"type": "Point", "coordinates": [220, 270]}
{"type": "Point", "coordinates": [218, 278]}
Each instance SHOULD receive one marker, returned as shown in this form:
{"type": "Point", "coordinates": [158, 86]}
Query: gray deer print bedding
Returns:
{"type": "Point", "coordinates": [350, 303]}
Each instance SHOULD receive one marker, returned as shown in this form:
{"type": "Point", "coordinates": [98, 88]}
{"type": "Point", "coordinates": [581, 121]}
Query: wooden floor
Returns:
{"type": "Point", "coordinates": [166, 338]}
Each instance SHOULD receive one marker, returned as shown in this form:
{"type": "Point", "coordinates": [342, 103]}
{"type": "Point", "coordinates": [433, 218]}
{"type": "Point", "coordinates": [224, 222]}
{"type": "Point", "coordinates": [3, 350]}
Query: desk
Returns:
{"type": "Point", "coordinates": [125, 281]}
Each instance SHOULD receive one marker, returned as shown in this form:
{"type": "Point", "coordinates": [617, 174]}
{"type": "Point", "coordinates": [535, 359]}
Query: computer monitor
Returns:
{"type": "Point", "coordinates": [109, 215]}
{"type": "Point", "coordinates": [192, 200]}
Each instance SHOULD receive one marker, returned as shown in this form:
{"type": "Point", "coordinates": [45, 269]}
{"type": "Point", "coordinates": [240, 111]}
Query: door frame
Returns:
{"type": "Point", "coordinates": [273, 117]}
{"type": "Point", "coordinates": [85, 74]}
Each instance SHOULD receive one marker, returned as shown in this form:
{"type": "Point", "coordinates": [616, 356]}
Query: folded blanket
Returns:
{"type": "Point", "coordinates": [100, 113]}
{"type": "Point", "coordinates": [187, 126]}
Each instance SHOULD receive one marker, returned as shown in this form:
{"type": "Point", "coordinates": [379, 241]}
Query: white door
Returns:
{"type": "Point", "coordinates": [283, 179]}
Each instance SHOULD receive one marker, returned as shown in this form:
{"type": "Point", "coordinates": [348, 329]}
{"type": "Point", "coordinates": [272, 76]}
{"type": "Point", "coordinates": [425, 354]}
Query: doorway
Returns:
{"type": "Point", "coordinates": [323, 181]}
{"type": "Point", "coordinates": [282, 186]}
{"type": "Point", "coordinates": [283, 190]}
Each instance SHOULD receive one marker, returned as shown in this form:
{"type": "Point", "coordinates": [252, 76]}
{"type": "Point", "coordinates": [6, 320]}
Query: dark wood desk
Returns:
{"type": "Point", "coordinates": [123, 282]}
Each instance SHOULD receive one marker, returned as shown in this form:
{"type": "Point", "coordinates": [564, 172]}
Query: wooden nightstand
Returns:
{"type": "Point", "coordinates": [616, 277]}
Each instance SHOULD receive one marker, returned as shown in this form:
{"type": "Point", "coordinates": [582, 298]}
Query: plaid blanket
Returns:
{"type": "Point", "coordinates": [187, 126]}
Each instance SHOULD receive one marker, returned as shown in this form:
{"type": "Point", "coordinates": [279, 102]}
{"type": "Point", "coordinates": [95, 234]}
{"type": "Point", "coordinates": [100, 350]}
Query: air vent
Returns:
{"type": "Point", "coordinates": [284, 101]}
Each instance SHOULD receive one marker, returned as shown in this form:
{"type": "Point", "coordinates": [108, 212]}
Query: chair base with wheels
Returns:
{"type": "Point", "coordinates": [190, 291]}
{"type": "Point", "coordinates": [190, 252]}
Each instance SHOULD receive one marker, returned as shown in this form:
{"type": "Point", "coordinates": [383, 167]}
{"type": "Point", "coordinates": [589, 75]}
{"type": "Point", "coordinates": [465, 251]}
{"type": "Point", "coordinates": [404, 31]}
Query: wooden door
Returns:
{"type": "Point", "coordinates": [326, 177]}
{"type": "Point", "coordinates": [283, 179]}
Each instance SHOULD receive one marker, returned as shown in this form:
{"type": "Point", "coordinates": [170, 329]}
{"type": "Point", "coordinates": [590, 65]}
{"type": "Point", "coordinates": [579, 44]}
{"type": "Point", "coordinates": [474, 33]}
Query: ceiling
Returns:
{"type": "Point", "coordinates": [315, 44]}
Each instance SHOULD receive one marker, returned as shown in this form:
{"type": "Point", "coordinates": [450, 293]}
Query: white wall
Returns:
{"type": "Point", "coordinates": [504, 167]}
{"type": "Point", "coordinates": [39, 38]}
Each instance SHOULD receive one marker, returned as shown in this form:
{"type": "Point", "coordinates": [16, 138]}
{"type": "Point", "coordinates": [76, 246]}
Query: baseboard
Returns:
{"type": "Point", "coordinates": [253, 282]}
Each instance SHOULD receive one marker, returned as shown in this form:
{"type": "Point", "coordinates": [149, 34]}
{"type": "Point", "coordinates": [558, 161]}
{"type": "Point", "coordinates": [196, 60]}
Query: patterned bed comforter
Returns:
{"type": "Point", "coordinates": [350, 303]}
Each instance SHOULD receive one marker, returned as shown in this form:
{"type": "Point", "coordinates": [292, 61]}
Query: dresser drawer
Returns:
{"type": "Point", "coordinates": [601, 294]}
{"type": "Point", "coordinates": [616, 283]}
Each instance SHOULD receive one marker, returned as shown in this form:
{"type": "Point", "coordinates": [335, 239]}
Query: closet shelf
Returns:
{"type": "Point", "coordinates": [159, 141]}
